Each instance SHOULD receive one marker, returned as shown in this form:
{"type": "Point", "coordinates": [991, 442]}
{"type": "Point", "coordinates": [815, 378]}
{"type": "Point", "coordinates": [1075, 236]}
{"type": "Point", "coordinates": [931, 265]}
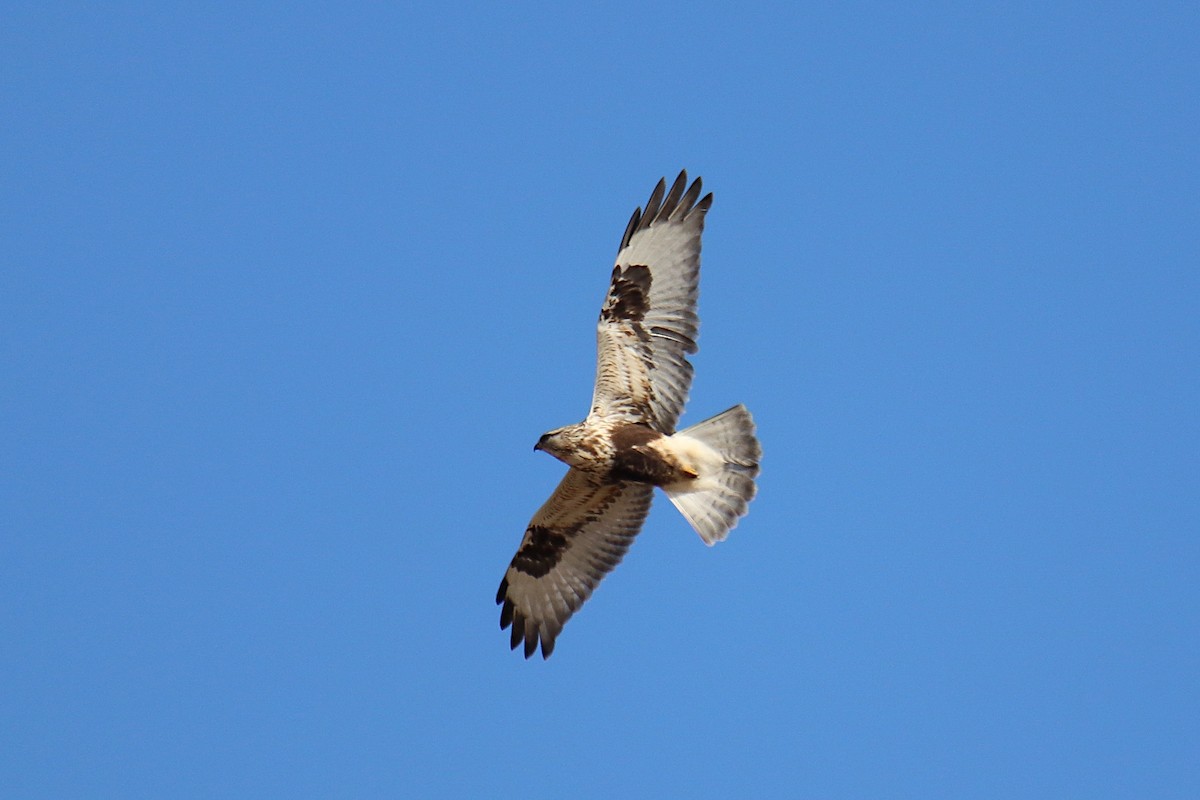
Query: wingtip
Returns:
{"type": "Point", "coordinates": [529, 638]}
{"type": "Point", "coordinates": [654, 204]}
{"type": "Point", "coordinates": [673, 205]}
{"type": "Point", "coordinates": [630, 228]}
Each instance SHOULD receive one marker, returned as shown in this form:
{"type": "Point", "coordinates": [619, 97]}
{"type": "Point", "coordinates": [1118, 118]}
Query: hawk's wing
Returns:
{"type": "Point", "coordinates": [572, 542]}
{"type": "Point", "coordinates": [648, 323]}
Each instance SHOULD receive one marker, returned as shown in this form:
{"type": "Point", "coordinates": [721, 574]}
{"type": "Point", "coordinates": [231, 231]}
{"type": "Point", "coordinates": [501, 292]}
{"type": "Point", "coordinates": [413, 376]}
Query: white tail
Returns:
{"type": "Point", "coordinates": [725, 454]}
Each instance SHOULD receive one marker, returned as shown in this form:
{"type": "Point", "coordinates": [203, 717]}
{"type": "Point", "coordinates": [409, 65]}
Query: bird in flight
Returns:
{"type": "Point", "coordinates": [628, 444]}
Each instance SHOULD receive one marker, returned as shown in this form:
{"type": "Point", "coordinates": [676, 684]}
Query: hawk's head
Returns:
{"type": "Point", "coordinates": [567, 445]}
{"type": "Point", "coordinates": [553, 442]}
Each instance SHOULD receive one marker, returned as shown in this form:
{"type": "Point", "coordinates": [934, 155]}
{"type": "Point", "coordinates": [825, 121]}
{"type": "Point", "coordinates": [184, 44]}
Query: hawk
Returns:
{"type": "Point", "coordinates": [628, 443]}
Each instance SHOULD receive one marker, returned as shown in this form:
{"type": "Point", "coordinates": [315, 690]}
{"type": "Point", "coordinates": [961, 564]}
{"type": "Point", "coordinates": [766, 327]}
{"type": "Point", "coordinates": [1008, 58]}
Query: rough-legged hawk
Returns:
{"type": "Point", "coordinates": [628, 443]}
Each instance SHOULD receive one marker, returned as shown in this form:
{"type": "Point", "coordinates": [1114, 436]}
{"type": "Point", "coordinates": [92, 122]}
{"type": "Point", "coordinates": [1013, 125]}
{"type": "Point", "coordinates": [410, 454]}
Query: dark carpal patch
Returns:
{"type": "Point", "coordinates": [543, 550]}
{"type": "Point", "coordinates": [628, 294]}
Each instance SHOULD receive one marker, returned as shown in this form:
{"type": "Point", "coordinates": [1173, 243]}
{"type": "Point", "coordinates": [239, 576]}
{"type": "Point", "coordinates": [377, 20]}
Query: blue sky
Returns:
{"type": "Point", "coordinates": [289, 292]}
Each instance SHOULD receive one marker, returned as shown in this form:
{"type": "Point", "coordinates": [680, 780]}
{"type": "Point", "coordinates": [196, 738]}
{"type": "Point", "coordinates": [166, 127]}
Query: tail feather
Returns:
{"type": "Point", "coordinates": [726, 454]}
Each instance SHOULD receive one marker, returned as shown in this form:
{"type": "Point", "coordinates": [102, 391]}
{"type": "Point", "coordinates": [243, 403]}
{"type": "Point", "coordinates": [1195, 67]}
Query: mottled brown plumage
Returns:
{"type": "Point", "coordinates": [628, 443]}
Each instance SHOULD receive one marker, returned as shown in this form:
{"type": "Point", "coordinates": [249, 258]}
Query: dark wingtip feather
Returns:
{"type": "Point", "coordinates": [630, 228]}
{"type": "Point", "coordinates": [677, 204]}
{"type": "Point", "coordinates": [506, 614]}
{"type": "Point", "coordinates": [518, 631]}
{"type": "Point", "coordinates": [531, 643]}
{"type": "Point", "coordinates": [672, 202]}
{"type": "Point", "coordinates": [654, 204]}
{"type": "Point", "coordinates": [689, 199]}
{"type": "Point", "coordinates": [502, 593]}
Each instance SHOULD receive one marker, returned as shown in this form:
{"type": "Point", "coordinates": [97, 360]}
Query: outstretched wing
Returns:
{"type": "Point", "coordinates": [648, 323]}
{"type": "Point", "coordinates": [573, 541]}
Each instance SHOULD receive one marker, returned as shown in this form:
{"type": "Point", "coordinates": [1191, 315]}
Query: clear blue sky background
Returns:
{"type": "Point", "coordinates": [289, 292]}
